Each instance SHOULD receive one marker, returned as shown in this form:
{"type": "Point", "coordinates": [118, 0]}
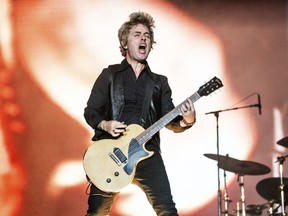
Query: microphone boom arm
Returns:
{"type": "Point", "coordinates": [234, 108]}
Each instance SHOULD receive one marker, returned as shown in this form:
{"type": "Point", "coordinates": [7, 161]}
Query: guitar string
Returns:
{"type": "Point", "coordinates": [173, 113]}
{"type": "Point", "coordinates": [194, 97]}
{"type": "Point", "coordinates": [151, 131]}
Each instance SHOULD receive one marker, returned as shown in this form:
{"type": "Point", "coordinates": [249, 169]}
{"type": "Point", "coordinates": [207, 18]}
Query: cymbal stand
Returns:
{"type": "Point", "coordinates": [281, 162]}
{"type": "Point", "coordinates": [271, 205]}
{"type": "Point", "coordinates": [226, 197]}
{"type": "Point", "coordinates": [241, 184]}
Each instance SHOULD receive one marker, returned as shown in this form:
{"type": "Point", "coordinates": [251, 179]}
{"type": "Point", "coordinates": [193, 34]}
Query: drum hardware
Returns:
{"type": "Point", "coordinates": [216, 114]}
{"type": "Point", "coordinates": [252, 209]}
{"type": "Point", "coordinates": [271, 205]}
{"type": "Point", "coordinates": [241, 168]}
{"type": "Point", "coordinates": [241, 185]}
{"type": "Point", "coordinates": [275, 189]}
{"type": "Point", "coordinates": [227, 200]}
{"type": "Point", "coordinates": [281, 162]}
{"type": "Point", "coordinates": [270, 189]}
{"type": "Point", "coordinates": [283, 142]}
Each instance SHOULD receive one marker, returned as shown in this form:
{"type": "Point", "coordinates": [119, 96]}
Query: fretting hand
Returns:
{"type": "Point", "coordinates": [188, 113]}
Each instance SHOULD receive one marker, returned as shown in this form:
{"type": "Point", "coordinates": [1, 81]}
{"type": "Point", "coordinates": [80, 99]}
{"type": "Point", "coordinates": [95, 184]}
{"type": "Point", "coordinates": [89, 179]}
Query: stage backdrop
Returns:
{"type": "Point", "coordinates": [51, 52]}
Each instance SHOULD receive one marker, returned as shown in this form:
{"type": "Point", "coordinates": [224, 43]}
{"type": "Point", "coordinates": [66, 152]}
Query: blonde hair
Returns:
{"type": "Point", "coordinates": [135, 19]}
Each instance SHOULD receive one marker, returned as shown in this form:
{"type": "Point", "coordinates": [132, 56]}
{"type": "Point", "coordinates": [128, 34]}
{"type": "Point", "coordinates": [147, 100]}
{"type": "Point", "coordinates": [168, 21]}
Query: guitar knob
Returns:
{"type": "Point", "coordinates": [108, 180]}
{"type": "Point", "coordinates": [116, 173]}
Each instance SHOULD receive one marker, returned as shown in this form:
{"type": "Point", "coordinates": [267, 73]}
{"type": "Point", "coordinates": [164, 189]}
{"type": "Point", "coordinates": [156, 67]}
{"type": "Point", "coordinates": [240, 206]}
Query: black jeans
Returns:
{"type": "Point", "coordinates": [152, 178]}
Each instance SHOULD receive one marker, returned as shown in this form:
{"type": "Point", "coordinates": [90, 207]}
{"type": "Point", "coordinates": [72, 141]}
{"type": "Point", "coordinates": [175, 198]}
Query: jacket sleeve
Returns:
{"type": "Point", "coordinates": [97, 104]}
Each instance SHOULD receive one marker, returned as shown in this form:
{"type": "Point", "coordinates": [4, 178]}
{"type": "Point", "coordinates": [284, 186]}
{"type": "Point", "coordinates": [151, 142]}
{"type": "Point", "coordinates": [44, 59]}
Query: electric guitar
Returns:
{"type": "Point", "coordinates": [110, 164]}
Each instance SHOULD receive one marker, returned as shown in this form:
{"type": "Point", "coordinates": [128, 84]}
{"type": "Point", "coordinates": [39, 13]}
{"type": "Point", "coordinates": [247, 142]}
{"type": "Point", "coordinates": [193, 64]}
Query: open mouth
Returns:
{"type": "Point", "coordinates": [142, 47]}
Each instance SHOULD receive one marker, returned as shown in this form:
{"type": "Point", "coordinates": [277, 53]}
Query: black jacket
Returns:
{"type": "Point", "coordinates": [107, 100]}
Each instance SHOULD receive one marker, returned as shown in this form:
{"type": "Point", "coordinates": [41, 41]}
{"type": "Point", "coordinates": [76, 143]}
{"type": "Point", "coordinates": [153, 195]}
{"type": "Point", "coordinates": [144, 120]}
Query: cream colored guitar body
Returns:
{"type": "Point", "coordinates": [102, 160]}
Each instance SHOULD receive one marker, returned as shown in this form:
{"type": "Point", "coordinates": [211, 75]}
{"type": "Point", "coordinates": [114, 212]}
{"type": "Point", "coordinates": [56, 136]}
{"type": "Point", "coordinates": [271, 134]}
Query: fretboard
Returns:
{"type": "Point", "coordinates": [158, 125]}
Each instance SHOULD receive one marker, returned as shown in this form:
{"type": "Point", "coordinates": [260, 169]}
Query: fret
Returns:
{"type": "Point", "coordinates": [158, 125]}
{"type": "Point", "coordinates": [206, 89]}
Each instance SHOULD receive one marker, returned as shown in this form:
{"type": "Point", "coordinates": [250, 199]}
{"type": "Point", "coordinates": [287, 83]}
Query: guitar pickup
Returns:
{"type": "Point", "coordinates": [120, 155]}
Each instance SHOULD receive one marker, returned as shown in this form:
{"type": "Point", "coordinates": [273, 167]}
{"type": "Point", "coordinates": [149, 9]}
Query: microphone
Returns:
{"type": "Point", "coordinates": [259, 105]}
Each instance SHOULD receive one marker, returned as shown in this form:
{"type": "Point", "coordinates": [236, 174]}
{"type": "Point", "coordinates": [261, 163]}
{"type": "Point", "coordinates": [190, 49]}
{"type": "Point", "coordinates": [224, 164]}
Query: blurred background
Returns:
{"type": "Point", "coordinates": [52, 51]}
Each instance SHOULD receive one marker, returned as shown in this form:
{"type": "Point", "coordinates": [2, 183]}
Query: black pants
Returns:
{"type": "Point", "coordinates": [152, 178]}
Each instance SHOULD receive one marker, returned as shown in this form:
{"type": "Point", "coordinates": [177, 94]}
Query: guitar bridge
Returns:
{"type": "Point", "coordinates": [118, 156]}
{"type": "Point", "coordinates": [115, 159]}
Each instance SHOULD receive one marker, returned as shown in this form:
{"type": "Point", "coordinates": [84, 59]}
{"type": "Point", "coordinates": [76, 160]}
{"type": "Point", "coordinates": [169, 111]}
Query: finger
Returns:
{"type": "Point", "coordinates": [117, 124]}
{"type": "Point", "coordinates": [182, 109]}
{"type": "Point", "coordinates": [191, 105]}
{"type": "Point", "coordinates": [120, 126]}
{"type": "Point", "coordinates": [115, 133]}
{"type": "Point", "coordinates": [119, 130]}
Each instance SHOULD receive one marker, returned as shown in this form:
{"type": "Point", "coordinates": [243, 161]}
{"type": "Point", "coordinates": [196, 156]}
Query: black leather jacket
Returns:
{"type": "Point", "coordinates": [107, 100]}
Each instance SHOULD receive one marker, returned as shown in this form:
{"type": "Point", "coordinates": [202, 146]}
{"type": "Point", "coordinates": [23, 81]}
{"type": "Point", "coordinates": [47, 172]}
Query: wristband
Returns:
{"type": "Point", "coordinates": [188, 124]}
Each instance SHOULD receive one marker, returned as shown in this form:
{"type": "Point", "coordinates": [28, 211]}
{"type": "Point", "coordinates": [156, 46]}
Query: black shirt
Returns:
{"type": "Point", "coordinates": [134, 92]}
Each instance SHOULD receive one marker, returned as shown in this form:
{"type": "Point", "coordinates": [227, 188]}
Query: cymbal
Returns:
{"type": "Point", "coordinates": [269, 189]}
{"type": "Point", "coordinates": [240, 167]}
{"type": "Point", "coordinates": [251, 168]}
{"type": "Point", "coordinates": [283, 142]}
{"type": "Point", "coordinates": [225, 162]}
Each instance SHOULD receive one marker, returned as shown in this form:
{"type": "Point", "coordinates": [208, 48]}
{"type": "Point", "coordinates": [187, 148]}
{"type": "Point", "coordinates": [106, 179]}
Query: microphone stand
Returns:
{"type": "Point", "coordinates": [216, 114]}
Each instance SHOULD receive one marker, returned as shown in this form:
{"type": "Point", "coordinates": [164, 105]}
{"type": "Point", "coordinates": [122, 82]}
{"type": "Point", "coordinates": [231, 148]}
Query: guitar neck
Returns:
{"type": "Point", "coordinates": [158, 125]}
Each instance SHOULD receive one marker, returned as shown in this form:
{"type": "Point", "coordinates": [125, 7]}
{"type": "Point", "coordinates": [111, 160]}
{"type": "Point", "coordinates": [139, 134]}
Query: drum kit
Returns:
{"type": "Point", "coordinates": [274, 190]}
